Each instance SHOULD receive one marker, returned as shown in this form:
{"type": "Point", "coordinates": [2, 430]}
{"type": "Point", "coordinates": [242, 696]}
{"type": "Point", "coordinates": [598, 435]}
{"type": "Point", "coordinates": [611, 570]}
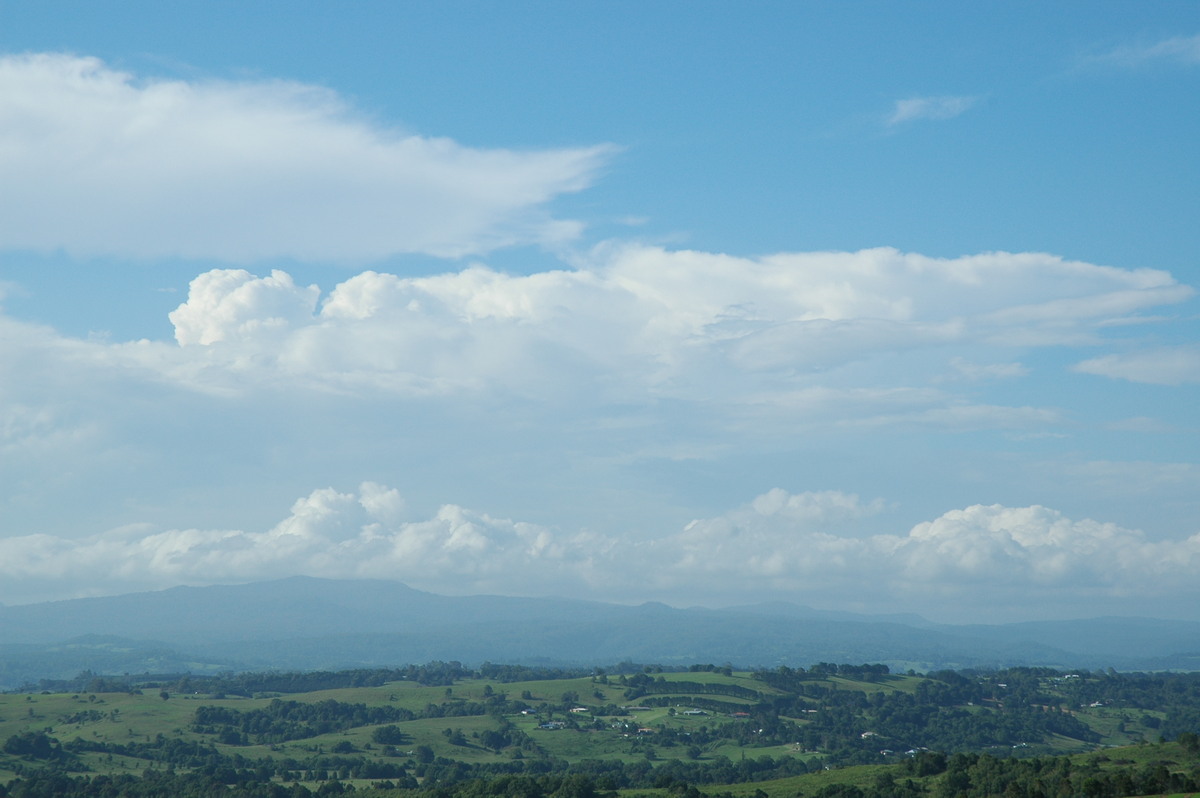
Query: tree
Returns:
{"type": "Point", "coordinates": [389, 735]}
{"type": "Point", "coordinates": [35, 745]}
{"type": "Point", "coordinates": [493, 740]}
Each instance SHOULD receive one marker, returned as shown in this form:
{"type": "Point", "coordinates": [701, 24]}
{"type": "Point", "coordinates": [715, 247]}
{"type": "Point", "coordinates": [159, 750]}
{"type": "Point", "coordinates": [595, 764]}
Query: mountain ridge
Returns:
{"type": "Point", "coordinates": [307, 623]}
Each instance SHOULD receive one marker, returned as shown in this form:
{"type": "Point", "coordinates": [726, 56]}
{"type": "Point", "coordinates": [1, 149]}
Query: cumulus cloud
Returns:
{"type": "Point", "coordinates": [327, 533]}
{"type": "Point", "coordinates": [1168, 366]}
{"type": "Point", "coordinates": [1006, 554]}
{"type": "Point", "coordinates": [232, 303]}
{"type": "Point", "coordinates": [780, 545]}
{"type": "Point", "coordinates": [937, 108]}
{"type": "Point", "coordinates": [96, 161]}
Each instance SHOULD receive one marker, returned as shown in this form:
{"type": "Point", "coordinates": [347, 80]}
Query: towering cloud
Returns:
{"type": "Point", "coordinates": [641, 321]}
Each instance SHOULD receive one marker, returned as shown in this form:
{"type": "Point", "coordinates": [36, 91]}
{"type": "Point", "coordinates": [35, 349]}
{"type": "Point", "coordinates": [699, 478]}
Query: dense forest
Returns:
{"type": "Point", "coordinates": [443, 729]}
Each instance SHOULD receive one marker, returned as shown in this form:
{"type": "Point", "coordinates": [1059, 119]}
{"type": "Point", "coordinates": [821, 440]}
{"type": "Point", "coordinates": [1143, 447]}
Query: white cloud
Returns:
{"type": "Point", "coordinates": [642, 320]}
{"type": "Point", "coordinates": [1168, 366]}
{"type": "Point", "coordinates": [657, 300]}
{"type": "Point", "coordinates": [781, 545]}
{"type": "Point", "coordinates": [978, 557]}
{"type": "Point", "coordinates": [964, 416]}
{"type": "Point", "coordinates": [537, 392]}
{"type": "Point", "coordinates": [1140, 424]}
{"type": "Point", "coordinates": [989, 371]}
{"type": "Point", "coordinates": [939, 107]}
{"type": "Point", "coordinates": [100, 162]}
{"type": "Point", "coordinates": [1177, 49]}
{"type": "Point", "coordinates": [751, 348]}
{"type": "Point", "coordinates": [225, 303]}
{"type": "Point", "coordinates": [1139, 478]}
{"type": "Point", "coordinates": [328, 533]}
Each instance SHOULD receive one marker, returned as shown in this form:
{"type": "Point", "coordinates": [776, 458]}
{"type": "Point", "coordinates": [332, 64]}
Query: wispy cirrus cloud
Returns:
{"type": "Point", "coordinates": [967, 370]}
{"type": "Point", "coordinates": [99, 162]}
{"type": "Point", "coordinates": [1178, 365]}
{"type": "Point", "coordinates": [938, 107]}
{"type": "Point", "coordinates": [1176, 49]}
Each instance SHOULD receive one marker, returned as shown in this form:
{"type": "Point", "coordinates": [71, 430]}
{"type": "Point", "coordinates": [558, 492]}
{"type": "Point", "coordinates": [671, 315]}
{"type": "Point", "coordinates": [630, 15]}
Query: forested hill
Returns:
{"type": "Point", "coordinates": [304, 623]}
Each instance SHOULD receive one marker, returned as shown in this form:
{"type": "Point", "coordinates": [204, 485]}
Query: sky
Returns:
{"type": "Point", "coordinates": [859, 305]}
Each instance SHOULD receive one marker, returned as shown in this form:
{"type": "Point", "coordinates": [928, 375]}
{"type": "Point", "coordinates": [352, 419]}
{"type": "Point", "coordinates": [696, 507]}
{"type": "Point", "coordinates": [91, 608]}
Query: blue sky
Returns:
{"type": "Point", "coordinates": [860, 305]}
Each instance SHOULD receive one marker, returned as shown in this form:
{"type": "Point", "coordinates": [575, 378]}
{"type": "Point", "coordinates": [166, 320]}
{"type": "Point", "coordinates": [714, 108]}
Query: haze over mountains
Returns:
{"type": "Point", "coordinates": [304, 623]}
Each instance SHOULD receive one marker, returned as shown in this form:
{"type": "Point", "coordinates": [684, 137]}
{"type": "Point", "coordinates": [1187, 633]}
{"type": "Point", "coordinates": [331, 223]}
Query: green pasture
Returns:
{"type": "Point", "coordinates": [886, 684]}
{"type": "Point", "coordinates": [100, 716]}
{"type": "Point", "coordinates": [1119, 726]}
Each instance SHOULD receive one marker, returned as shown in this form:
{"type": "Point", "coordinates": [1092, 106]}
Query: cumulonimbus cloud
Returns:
{"type": "Point", "coordinates": [647, 321]}
{"type": "Point", "coordinates": [95, 161]}
{"type": "Point", "coordinates": [705, 353]}
{"type": "Point", "coordinates": [802, 545]}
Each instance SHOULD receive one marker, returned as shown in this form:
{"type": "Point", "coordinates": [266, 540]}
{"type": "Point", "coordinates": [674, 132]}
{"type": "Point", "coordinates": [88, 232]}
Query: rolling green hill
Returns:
{"type": "Point", "coordinates": [825, 731]}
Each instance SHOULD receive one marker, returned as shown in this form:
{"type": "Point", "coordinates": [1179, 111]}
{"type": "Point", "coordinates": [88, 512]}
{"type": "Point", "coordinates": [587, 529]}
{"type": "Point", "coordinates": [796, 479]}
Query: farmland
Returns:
{"type": "Point", "coordinates": [630, 728]}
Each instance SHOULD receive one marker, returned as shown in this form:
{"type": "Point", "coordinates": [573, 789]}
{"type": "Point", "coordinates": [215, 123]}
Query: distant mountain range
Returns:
{"type": "Point", "coordinates": [304, 623]}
